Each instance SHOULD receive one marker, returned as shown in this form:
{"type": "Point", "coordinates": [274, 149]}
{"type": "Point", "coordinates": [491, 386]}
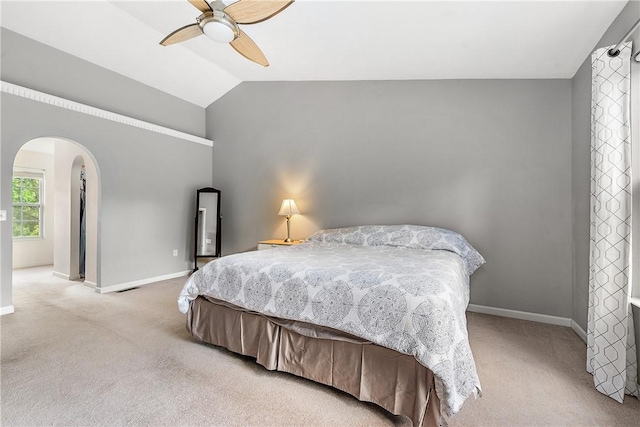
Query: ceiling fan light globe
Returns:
{"type": "Point", "coordinates": [219, 31]}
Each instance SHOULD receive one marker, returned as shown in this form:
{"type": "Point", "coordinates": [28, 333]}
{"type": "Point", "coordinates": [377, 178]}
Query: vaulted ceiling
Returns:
{"type": "Point", "coordinates": [324, 40]}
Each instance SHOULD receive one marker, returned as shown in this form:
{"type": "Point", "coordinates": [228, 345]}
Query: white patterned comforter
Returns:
{"type": "Point", "coordinates": [407, 299]}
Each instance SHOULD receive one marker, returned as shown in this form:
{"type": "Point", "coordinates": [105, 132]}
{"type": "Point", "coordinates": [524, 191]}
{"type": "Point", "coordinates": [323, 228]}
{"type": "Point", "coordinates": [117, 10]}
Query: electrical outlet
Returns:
{"type": "Point", "coordinates": [175, 252]}
{"type": "Point", "coordinates": [3, 215]}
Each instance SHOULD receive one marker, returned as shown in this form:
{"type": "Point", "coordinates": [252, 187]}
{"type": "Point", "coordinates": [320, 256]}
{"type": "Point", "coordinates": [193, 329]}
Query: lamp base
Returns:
{"type": "Point", "coordinates": [288, 239]}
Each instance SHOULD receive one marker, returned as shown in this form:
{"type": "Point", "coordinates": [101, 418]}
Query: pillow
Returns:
{"type": "Point", "coordinates": [407, 236]}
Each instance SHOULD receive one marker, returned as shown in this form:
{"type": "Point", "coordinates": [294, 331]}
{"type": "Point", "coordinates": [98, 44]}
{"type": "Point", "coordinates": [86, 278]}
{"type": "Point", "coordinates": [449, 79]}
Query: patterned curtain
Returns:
{"type": "Point", "coordinates": [611, 347]}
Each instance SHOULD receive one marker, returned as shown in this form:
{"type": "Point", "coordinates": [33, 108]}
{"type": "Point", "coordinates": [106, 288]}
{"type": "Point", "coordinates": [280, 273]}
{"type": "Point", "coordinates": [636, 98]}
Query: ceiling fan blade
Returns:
{"type": "Point", "coordinates": [254, 11]}
{"type": "Point", "coordinates": [247, 48]}
{"type": "Point", "coordinates": [202, 5]}
{"type": "Point", "coordinates": [181, 34]}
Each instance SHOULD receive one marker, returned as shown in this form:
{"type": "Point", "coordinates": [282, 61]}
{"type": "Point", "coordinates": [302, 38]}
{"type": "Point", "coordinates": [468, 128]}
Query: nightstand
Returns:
{"type": "Point", "coordinates": [268, 244]}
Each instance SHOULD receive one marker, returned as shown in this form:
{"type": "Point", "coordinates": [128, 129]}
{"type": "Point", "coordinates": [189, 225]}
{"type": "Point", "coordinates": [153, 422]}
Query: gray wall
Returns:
{"type": "Point", "coordinates": [28, 63]}
{"type": "Point", "coordinates": [148, 180]}
{"type": "Point", "coordinates": [489, 159]}
{"type": "Point", "coordinates": [581, 157]}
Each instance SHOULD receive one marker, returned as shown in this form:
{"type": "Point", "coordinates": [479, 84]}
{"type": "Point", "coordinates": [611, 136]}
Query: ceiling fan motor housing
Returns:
{"type": "Point", "coordinates": [218, 26]}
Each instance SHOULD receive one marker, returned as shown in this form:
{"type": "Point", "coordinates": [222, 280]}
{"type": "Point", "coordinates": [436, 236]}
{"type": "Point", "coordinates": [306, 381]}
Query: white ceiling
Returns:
{"type": "Point", "coordinates": [324, 40]}
{"type": "Point", "coordinates": [40, 145]}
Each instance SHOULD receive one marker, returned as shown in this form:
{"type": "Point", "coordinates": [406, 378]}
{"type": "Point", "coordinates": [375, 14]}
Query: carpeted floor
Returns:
{"type": "Point", "coordinates": [74, 357]}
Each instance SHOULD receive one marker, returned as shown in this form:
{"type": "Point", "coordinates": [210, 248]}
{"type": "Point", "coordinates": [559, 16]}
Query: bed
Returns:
{"type": "Point", "coordinates": [375, 311]}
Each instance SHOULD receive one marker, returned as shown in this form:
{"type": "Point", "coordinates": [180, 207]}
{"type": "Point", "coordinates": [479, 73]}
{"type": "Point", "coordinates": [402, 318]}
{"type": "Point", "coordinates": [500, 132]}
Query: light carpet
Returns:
{"type": "Point", "coordinates": [70, 356]}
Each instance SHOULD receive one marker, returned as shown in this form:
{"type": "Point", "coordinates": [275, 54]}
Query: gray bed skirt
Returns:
{"type": "Point", "coordinates": [371, 373]}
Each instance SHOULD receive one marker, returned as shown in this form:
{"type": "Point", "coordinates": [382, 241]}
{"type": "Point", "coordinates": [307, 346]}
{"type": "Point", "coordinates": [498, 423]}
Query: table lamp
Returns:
{"type": "Point", "coordinates": [287, 209]}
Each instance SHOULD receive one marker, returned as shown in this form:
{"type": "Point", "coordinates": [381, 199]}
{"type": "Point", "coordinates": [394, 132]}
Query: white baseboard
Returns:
{"type": "Point", "coordinates": [6, 310]}
{"type": "Point", "coordinates": [522, 315]}
{"type": "Point", "coordinates": [61, 275]}
{"type": "Point", "coordinates": [578, 330]}
{"type": "Point", "coordinates": [90, 284]}
{"type": "Point", "coordinates": [66, 276]}
{"type": "Point", "coordinates": [32, 265]}
{"type": "Point", "coordinates": [136, 283]}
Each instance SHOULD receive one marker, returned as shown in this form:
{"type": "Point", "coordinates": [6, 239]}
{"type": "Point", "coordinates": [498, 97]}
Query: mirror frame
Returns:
{"type": "Point", "coordinates": [218, 253]}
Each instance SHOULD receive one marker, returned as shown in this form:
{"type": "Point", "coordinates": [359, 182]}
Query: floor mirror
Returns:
{"type": "Point", "coordinates": [207, 225]}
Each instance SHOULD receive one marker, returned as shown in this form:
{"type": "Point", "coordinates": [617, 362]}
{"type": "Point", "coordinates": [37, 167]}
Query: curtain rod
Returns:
{"type": "Point", "coordinates": [615, 51]}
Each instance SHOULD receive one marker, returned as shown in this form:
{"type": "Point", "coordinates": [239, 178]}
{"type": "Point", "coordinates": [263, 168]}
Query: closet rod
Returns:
{"type": "Point", "coordinates": [615, 51]}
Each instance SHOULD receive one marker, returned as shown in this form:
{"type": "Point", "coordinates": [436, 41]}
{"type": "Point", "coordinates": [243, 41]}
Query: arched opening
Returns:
{"type": "Point", "coordinates": [68, 237]}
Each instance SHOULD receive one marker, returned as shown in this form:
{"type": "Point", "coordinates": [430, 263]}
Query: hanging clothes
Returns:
{"type": "Point", "coordinates": [83, 222]}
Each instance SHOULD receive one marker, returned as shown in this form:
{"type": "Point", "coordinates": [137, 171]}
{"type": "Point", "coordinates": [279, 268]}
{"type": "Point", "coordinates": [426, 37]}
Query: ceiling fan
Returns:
{"type": "Point", "coordinates": [220, 23]}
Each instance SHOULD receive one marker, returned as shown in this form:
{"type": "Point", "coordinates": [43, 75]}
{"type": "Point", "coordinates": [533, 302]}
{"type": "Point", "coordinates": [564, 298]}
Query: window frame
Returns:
{"type": "Point", "coordinates": [39, 175]}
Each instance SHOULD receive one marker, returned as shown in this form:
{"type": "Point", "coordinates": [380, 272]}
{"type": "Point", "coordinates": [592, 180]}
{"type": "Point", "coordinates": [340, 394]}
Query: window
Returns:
{"type": "Point", "coordinates": [27, 204]}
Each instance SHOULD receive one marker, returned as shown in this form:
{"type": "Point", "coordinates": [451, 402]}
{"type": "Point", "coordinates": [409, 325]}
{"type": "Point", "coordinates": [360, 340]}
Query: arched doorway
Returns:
{"type": "Point", "coordinates": [63, 201]}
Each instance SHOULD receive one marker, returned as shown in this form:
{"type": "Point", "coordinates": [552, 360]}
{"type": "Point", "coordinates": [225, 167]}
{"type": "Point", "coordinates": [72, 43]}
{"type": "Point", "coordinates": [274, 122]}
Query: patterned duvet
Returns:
{"type": "Point", "coordinates": [402, 287]}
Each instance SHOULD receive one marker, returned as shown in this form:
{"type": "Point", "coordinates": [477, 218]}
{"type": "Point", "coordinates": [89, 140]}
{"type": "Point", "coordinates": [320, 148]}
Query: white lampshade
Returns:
{"type": "Point", "coordinates": [288, 207]}
{"type": "Point", "coordinates": [219, 31]}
